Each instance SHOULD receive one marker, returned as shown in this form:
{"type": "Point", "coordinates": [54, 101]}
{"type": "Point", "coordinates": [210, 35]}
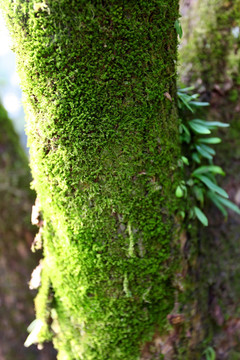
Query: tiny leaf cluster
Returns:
{"type": "Point", "coordinates": [197, 140]}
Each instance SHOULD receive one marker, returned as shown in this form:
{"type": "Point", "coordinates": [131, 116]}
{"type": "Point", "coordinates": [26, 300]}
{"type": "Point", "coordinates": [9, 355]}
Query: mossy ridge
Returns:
{"type": "Point", "coordinates": [104, 145]}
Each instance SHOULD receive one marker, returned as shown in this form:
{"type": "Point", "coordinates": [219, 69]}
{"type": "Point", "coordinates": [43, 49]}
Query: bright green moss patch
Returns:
{"type": "Point", "coordinates": [104, 147]}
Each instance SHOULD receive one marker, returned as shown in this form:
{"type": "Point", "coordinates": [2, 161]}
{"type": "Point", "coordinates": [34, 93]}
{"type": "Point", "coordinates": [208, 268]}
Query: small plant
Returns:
{"type": "Point", "coordinates": [209, 353]}
{"type": "Point", "coordinates": [197, 141]}
{"type": "Point", "coordinates": [178, 28]}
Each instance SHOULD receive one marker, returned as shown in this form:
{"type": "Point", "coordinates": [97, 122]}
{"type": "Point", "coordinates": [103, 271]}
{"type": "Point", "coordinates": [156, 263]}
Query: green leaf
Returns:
{"type": "Point", "coordinates": [178, 28]}
{"type": "Point", "coordinates": [186, 130]}
{"type": "Point", "coordinates": [203, 152]}
{"type": "Point", "coordinates": [187, 89]}
{"type": "Point", "coordinates": [201, 216]}
{"type": "Point", "coordinates": [185, 99]}
{"type": "Point", "coordinates": [199, 103]}
{"type": "Point", "coordinates": [179, 192]}
{"type": "Point", "coordinates": [214, 198]}
{"type": "Point", "coordinates": [199, 194]}
{"type": "Point", "coordinates": [180, 129]}
{"type": "Point", "coordinates": [216, 124]}
{"type": "Point", "coordinates": [201, 122]}
{"type": "Point", "coordinates": [210, 353]}
{"type": "Point", "coordinates": [196, 158]}
{"type": "Point", "coordinates": [213, 140]}
{"type": "Point", "coordinates": [198, 128]}
{"type": "Point", "coordinates": [182, 213]}
{"type": "Point", "coordinates": [208, 168]}
{"type": "Point", "coordinates": [191, 213]}
{"type": "Point", "coordinates": [210, 125]}
{"type": "Point", "coordinates": [212, 177]}
{"type": "Point", "coordinates": [193, 97]}
{"type": "Point", "coordinates": [208, 149]}
{"type": "Point", "coordinates": [185, 160]}
{"type": "Point", "coordinates": [215, 188]}
{"type": "Point", "coordinates": [229, 204]}
{"type": "Point", "coordinates": [185, 136]}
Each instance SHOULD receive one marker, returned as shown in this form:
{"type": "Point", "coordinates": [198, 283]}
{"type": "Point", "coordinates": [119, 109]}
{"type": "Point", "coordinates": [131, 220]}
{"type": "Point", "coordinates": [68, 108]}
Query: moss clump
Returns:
{"type": "Point", "coordinates": [104, 146]}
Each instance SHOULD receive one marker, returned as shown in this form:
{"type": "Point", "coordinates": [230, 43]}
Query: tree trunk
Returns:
{"type": "Point", "coordinates": [99, 84]}
{"type": "Point", "coordinates": [210, 57]}
{"type": "Point", "coordinates": [16, 234]}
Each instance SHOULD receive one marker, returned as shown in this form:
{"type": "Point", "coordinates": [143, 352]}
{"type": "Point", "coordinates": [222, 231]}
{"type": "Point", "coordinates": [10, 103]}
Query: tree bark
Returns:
{"type": "Point", "coordinates": [99, 83]}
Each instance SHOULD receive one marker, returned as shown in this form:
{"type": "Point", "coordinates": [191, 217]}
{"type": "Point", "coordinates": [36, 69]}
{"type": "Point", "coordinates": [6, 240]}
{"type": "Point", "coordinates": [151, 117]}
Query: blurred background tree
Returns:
{"type": "Point", "coordinates": [210, 61]}
{"type": "Point", "coordinates": [16, 232]}
{"type": "Point", "coordinates": [16, 235]}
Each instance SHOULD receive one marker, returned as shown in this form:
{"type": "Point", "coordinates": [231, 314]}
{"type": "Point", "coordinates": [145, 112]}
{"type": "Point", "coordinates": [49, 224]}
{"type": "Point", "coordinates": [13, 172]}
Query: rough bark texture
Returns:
{"type": "Point", "coordinates": [212, 36]}
{"type": "Point", "coordinates": [104, 146]}
{"type": "Point", "coordinates": [16, 235]}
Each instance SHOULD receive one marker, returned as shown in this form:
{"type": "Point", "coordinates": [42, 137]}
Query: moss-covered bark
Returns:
{"type": "Point", "coordinates": [104, 146]}
{"type": "Point", "coordinates": [16, 235]}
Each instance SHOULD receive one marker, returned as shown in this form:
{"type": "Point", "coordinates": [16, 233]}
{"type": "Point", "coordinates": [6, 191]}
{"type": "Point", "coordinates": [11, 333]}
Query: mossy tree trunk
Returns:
{"type": "Point", "coordinates": [210, 61]}
{"type": "Point", "coordinates": [103, 133]}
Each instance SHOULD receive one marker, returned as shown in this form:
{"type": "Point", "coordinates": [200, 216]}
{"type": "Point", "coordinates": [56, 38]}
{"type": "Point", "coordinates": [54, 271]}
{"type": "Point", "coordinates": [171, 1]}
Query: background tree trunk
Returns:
{"type": "Point", "coordinates": [210, 61]}
{"type": "Point", "coordinates": [16, 260]}
{"type": "Point", "coordinates": [99, 84]}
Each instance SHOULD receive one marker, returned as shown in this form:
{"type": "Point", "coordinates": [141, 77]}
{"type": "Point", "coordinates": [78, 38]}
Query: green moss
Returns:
{"type": "Point", "coordinates": [104, 146]}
